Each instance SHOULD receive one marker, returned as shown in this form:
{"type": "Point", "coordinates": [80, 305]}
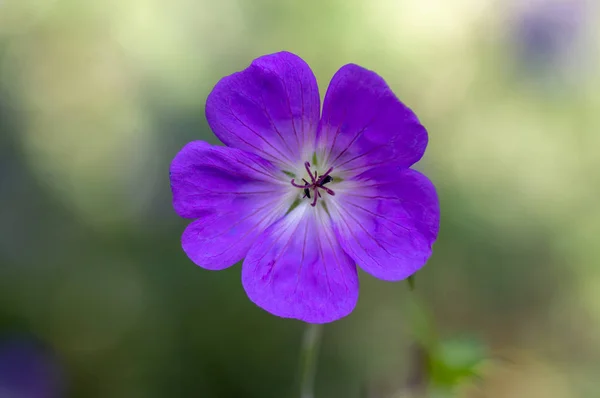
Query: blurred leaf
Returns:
{"type": "Point", "coordinates": [456, 360]}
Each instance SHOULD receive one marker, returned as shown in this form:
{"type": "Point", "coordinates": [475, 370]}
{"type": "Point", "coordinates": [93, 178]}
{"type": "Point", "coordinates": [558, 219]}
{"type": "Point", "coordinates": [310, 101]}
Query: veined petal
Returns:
{"type": "Point", "coordinates": [364, 125]}
{"type": "Point", "coordinates": [296, 269]}
{"type": "Point", "coordinates": [387, 220]}
{"type": "Point", "coordinates": [220, 240]}
{"type": "Point", "coordinates": [270, 108]}
{"type": "Point", "coordinates": [235, 194]}
{"type": "Point", "coordinates": [206, 177]}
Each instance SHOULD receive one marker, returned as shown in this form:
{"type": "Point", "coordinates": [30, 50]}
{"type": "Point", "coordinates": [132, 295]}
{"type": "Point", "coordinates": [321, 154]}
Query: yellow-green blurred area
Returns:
{"type": "Point", "coordinates": [96, 98]}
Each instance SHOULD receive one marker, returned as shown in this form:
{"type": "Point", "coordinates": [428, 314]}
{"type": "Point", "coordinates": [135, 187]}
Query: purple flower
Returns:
{"type": "Point", "coordinates": [27, 371]}
{"type": "Point", "coordinates": [549, 34]}
{"type": "Point", "coordinates": [306, 196]}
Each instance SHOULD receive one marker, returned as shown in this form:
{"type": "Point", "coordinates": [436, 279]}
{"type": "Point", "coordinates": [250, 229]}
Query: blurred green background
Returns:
{"type": "Point", "coordinates": [96, 97]}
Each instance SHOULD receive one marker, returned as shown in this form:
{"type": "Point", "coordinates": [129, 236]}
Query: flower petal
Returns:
{"type": "Point", "coordinates": [206, 177]}
{"type": "Point", "coordinates": [297, 269]}
{"type": "Point", "coordinates": [218, 241]}
{"type": "Point", "coordinates": [235, 193]}
{"type": "Point", "coordinates": [364, 125]}
{"type": "Point", "coordinates": [270, 108]}
{"type": "Point", "coordinates": [387, 220]}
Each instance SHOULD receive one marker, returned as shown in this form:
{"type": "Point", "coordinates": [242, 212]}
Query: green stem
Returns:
{"type": "Point", "coordinates": [309, 355]}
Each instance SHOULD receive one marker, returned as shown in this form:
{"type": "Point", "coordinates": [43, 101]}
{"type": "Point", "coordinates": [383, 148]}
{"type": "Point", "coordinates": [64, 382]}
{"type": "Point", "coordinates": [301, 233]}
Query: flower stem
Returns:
{"type": "Point", "coordinates": [308, 356]}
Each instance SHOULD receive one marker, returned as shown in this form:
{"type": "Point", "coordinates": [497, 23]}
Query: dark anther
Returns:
{"type": "Point", "coordinates": [326, 180]}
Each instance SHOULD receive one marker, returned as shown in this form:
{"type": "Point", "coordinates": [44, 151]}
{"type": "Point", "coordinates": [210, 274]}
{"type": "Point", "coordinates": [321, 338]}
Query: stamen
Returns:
{"type": "Point", "coordinates": [300, 186]}
{"type": "Point", "coordinates": [324, 176]}
{"type": "Point", "coordinates": [329, 191]}
{"type": "Point", "coordinates": [314, 203]}
{"type": "Point", "coordinates": [307, 166]}
{"type": "Point", "coordinates": [326, 180]}
{"type": "Point", "coordinates": [316, 183]}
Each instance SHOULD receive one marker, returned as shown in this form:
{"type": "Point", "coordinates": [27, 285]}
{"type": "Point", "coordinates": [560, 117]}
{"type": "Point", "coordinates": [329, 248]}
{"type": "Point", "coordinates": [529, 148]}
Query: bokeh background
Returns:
{"type": "Point", "coordinates": [97, 298]}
